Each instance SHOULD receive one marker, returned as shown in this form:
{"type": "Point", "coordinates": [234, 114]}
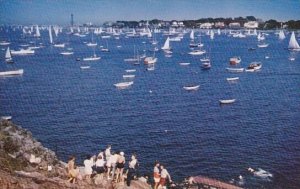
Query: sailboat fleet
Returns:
{"type": "Point", "coordinates": [172, 35]}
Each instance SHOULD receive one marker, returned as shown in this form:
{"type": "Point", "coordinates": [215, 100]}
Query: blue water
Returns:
{"type": "Point", "coordinates": [74, 111]}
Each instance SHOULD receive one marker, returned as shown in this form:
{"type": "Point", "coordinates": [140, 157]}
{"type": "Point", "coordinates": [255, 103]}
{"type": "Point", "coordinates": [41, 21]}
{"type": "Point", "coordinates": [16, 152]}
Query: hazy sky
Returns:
{"type": "Point", "coordinates": [98, 11]}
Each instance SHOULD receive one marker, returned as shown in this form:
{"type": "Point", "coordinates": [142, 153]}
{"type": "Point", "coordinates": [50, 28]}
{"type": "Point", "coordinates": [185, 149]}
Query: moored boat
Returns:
{"type": "Point", "coordinates": [66, 53]}
{"type": "Point", "coordinates": [128, 76]}
{"type": "Point", "coordinates": [84, 67]}
{"type": "Point", "coordinates": [191, 87]}
{"type": "Point", "coordinates": [235, 60]}
{"type": "Point", "coordinates": [22, 52]}
{"type": "Point", "coordinates": [12, 73]}
{"type": "Point", "coordinates": [235, 70]}
{"type": "Point", "coordinates": [232, 78]}
{"type": "Point", "coordinates": [228, 101]}
{"type": "Point", "coordinates": [184, 63]}
{"type": "Point", "coordinates": [254, 66]}
{"type": "Point", "coordinates": [123, 85]}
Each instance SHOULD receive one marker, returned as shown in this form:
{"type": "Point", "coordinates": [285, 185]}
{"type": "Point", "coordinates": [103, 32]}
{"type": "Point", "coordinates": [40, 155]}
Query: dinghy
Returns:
{"type": "Point", "coordinates": [229, 101]}
{"type": "Point", "coordinates": [191, 87]}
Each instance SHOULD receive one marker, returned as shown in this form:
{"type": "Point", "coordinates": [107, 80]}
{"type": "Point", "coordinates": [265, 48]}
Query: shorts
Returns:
{"type": "Point", "coordinates": [156, 180]}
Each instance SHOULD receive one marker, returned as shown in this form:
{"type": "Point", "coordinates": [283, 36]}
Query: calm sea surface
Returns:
{"type": "Point", "coordinates": [74, 111]}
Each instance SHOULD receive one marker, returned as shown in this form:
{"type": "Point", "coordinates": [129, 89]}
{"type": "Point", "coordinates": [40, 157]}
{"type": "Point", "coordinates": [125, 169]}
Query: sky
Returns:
{"type": "Point", "coordinates": [99, 11]}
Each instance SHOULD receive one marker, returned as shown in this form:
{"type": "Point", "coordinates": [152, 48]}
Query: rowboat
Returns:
{"type": "Point", "coordinates": [66, 53]}
{"type": "Point", "coordinates": [84, 67]}
{"type": "Point", "coordinates": [184, 63]}
{"type": "Point", "coordinates": [236, 70]}
{"type": "Point", "coordinates": [123, 85]}
{"type": "Point", "coordinates": [229, 101]}
{"type": "Point", "coordinates": [191, 87]}
{"type": "Point", "coordinates": [128, 76]}
{"type": "Point", "coordinates": [131, 70]}
{"type": "Point", "coordinates": [232, 78]}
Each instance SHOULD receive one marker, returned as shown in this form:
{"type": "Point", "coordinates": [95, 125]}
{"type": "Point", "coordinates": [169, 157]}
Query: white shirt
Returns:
{"type": "Point", "coordinates": [164, 174]}
{"type": "Point", "coordinates": [156, 170]}
{"type": "Point", "coordinates": [132, 163]}
{"type": "Point", "coordinates": [88, 164]}
{"type": "Point", "coordinates": [100, 163]}
{"type": "Point", "coordinates": [107, 153]}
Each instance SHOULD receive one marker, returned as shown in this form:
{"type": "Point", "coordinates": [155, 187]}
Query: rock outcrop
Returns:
{"type": "Point", "coordinates": [25, 163]}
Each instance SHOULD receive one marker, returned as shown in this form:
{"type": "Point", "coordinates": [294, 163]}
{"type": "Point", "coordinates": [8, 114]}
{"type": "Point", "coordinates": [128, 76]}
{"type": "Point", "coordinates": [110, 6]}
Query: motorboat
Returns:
{"type": "Point", "coordinates": [254, 66]}
{"type": "Point", "coordinates": [235, 60]}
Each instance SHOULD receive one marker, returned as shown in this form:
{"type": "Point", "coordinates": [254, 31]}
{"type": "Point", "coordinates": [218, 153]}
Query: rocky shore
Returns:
{"type": "Point", "coordinates": [25, 163]}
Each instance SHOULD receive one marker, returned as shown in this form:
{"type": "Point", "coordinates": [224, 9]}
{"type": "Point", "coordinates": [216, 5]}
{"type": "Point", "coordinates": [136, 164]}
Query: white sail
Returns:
{"type": "Point", "coordinates": [56, 30]}
{"type": "Point", "coordinates": [37, 32]}
{"type": "Point", "coordinates": [212, 34]}
{"type": "Point", "coordinates": [7, 54]}
{"type": "Point", "coordinates": [281, 35]}
{"type": "Point", "coordinates": [192, 37]}
{"type": "Point", "coordinates": [166, 45]}
{"type": "Point", "coordinates": [50, 35]}
{"type": "Point", "coordinates": [293, 44]}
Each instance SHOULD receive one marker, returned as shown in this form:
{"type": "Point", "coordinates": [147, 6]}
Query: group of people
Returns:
{"type": "Point", "coordinates": [111, 166]}
{"type": "Point", "coordinates": [106, 163]}
{"type": "Point", "coordinates": [161, 176]}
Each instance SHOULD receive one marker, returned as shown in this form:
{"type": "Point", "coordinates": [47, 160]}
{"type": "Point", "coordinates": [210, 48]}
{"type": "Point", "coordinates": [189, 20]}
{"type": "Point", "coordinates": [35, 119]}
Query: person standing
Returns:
{"type": "Point", "coordinates": [164, 175]}
{"type": "Point", "coordinates": [156, 174]}
{"type": "Point", "coordinates": [88, 164]}
{"type": "Point", "coordinates": [120, 167]}
{"type": "Point", "coordinates": [132, 169]}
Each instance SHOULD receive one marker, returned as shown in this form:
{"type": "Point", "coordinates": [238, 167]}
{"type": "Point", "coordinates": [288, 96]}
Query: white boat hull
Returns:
{"type": "Point", "coordinates": [11, 73]}
{"type": "Point", "coordinates": [230, 101]}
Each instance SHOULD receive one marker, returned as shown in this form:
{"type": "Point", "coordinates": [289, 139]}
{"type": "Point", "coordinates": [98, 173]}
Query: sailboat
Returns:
{"type": "Point", "coordinates": [50, 35]}
{"type": "Point", "coordinates": [8, 58]}
{"type": "Point", "coordinates": [281, 35]}
{"type": "Point", "coordinates": [37, 32]}
{"type": "Point", "coordinates": [192, 36]}
{"type": "Point", "coordinates": [212, 34]}
{"type": "Point", "coordinates": [105, 49]}
{"type": "Point", "coordinates": [92, 58]}
{"type": "Point", "coordinates": [150, 59]}
{"type": "Point", "coordinates": [193, 44]}
{"type": "Point", "coordinates": [293, 44]}
{"type": "Point", "coordinates": [92, 44]}
{"type": "Point", "coordinates": [166, 46]}
{"type": "Point", "coordinates": [135, 58]}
